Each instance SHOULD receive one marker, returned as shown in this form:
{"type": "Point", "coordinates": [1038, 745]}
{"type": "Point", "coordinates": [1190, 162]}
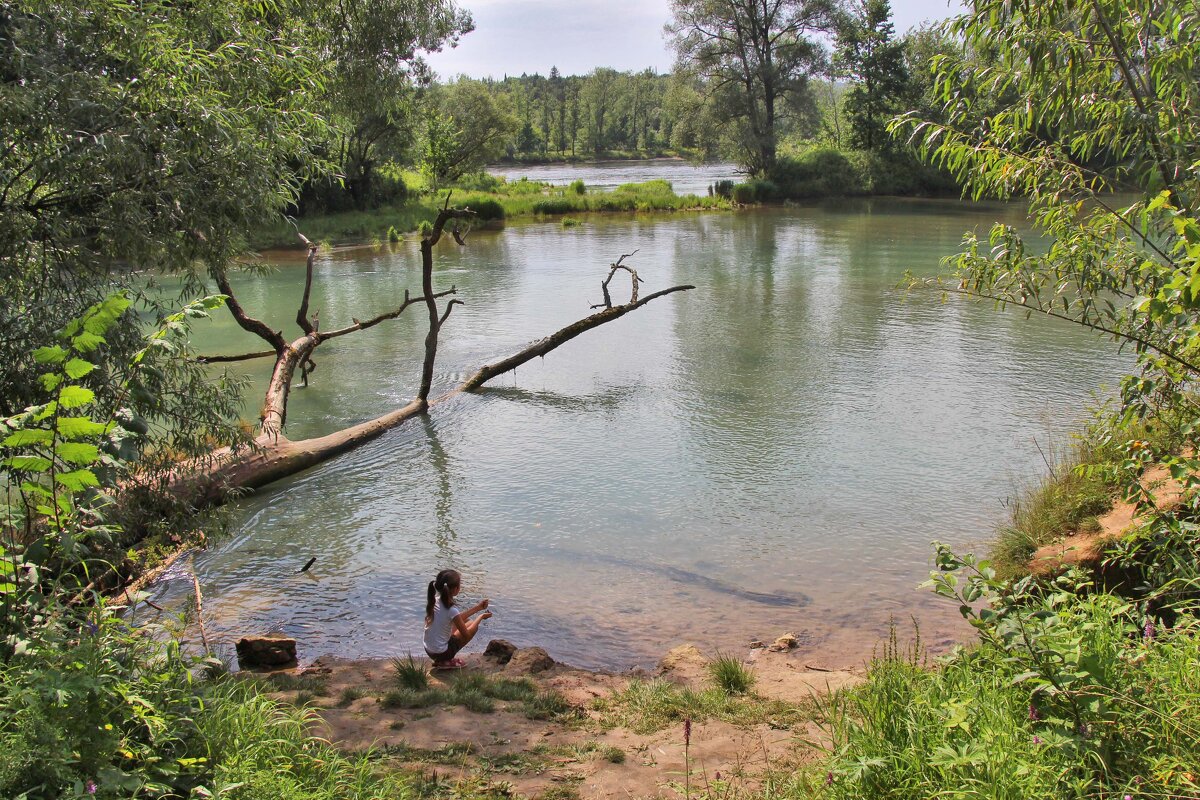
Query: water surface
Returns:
{"type": "Point", "coordinates": [771, 451]}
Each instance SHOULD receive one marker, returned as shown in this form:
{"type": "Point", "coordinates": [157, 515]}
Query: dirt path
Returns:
{"type": "Point", "coordinates": [601, 744]}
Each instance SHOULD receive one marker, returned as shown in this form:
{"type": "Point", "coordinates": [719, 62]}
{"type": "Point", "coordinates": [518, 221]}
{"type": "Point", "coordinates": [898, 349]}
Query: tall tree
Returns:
{"type": "Point", "coordinates": [754, 56]}
{"type": "Point", "coordinates": [467, 127]}
{"type": "Point", "coordinates": [871, 56]}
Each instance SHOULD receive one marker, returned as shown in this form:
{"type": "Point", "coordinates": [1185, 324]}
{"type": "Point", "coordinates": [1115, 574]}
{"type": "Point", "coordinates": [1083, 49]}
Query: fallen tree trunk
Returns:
{"type": "Point", "coordinates": [273, 456]}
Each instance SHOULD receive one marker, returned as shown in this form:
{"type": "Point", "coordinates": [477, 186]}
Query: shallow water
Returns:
{"type": "Point", "coordinates": [771, 451]}
{"type": "Point", "coordinates": [684, 177]}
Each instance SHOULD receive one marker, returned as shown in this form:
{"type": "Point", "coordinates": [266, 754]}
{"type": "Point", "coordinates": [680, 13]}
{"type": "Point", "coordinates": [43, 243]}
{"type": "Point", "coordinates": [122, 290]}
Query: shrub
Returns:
{"type": "Point", "coordinates": [552, 205]}
{"type": "Point", "coordinates": [577, 186]}
{"type": "Point", "coordinates": [744, 194]}
{"type": "Point", "coordinates": [487, 208]}
{"type": "Point", "coordinates": [570, 222]}
{"type": "Point", "coordinates": [818, 172]}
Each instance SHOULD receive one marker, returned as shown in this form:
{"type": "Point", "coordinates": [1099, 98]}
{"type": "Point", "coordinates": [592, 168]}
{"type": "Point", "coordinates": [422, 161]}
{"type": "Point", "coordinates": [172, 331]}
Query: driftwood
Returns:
{"type": "Point", "coordinates": [273, 456]}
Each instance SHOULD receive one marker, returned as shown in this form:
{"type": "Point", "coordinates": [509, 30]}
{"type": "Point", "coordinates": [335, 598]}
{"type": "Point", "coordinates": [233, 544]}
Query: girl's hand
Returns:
{"type": "Point", "coordinates": [485, 615]}
{"type": "Point", "coordinates": [483, 604]}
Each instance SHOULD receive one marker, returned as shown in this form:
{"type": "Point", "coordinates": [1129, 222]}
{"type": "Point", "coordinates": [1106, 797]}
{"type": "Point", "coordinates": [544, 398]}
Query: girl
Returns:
{"type": "Point", "coordinates": [448, 630]}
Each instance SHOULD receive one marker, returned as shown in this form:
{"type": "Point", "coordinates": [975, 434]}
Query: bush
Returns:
{"type": "Point", "coordinates": [552, 205]}
{"type": "Point", "coordinates": [577, 187]}
{"type": "Point", "coordinates": [818, 172]}
{"type": "Point", "coordinates": [486, 208]}
{"type": "Point", "coordinates": [723, 188]}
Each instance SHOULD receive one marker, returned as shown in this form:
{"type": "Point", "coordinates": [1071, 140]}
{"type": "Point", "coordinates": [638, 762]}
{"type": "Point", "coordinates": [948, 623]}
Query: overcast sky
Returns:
{"type": "Point", "coordinates": [515, 36]}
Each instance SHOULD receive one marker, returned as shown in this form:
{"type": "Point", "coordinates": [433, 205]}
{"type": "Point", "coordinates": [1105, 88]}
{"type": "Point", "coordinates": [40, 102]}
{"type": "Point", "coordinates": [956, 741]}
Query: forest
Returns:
{"type": "Point", "coordinates": [148, 147]}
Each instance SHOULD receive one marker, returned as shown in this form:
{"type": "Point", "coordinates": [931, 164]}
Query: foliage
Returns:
{"type": "Point", "coordinates": [874, 59]}
{"type": "Point", "coordinates": [467, 127]}
{"type": "Point", "coordinates": [1067, 695]}
{"type": "Point", "coordinates": [90, 703]}
{"type": "Point", "coordinates": [756, 59]}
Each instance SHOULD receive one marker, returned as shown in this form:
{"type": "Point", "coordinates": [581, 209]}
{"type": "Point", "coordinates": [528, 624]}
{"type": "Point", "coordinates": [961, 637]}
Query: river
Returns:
{"type": "Point", "coordinates": [773, 451]}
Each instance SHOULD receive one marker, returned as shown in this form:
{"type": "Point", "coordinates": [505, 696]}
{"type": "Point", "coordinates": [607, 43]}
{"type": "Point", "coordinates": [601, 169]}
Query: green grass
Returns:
{"type": "Point", "coordinates": [410, 673]}
{"type": "Point", "coordinates": [646, 706]}
{"type": "Point", "coordinates": [480, 693]}
{"type": "Point", "coordinates": [349, 695]}
{"type": "Point", "coordinates": [731, 675]}
{"type": "Point", "coordinates": [977, 728]}
{"type": "Point", "coordinates": [1081, 486]}
{"type": "Point", "coordinates": [507, 200]}
{"type": "Point", "coordinates": [256, 749]}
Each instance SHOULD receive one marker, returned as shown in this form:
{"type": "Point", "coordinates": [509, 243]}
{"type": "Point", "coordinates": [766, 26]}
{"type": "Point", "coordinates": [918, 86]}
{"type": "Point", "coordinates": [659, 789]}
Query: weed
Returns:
{"type": "Point", "coordinates": [408, 698]}
{"type": "Point", "coordinates": [410, 673]}
{"type": "Point", "coordinates": [349, 695]}
{"type": "Point", "coordinates": [613, 754]}
{"type": "Point", "coordinates": [730, 674]}
{"type": "Point", "coordinates": [648, 706]}
{"type": "Point", "coordinates": [569, 222]}
{"type": "Point", "coordinates": [547, 705]}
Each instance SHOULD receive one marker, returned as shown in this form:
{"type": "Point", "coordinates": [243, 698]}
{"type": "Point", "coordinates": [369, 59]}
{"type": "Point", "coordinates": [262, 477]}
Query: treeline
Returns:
{"type": "Point", "coordinates": [803, 119]}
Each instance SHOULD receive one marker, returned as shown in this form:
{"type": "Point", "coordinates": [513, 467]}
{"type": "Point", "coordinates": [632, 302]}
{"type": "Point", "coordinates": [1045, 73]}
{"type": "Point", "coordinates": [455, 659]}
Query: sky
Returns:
{"type": "Point", "coordinates": [516, 36]}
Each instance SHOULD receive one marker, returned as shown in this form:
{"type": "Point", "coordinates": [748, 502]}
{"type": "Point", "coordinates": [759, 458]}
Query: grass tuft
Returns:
{"type": "Point", "coordinates": [731, 675]}
{"type": "Point", "coordinates": [410, 673]}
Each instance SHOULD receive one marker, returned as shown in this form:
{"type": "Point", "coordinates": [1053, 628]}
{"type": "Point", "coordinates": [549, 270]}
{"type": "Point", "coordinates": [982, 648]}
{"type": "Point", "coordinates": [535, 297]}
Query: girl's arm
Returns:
{"type": "Point", "coordinates": [466, 626]}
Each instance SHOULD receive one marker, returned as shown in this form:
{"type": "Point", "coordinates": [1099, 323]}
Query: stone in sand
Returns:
{"type": "Point", "coordinates": [500, 649]}
{"type": "Point", "coordinates": [757, 644]}
{"type": "Point", "coordinates": [685, 655]}
{"type": "Point", "coordinates": [529, 660]}
{"type": "Point", "coordinates": [786, 642]}
{"type": "Point", "coordinates": [266, 651]}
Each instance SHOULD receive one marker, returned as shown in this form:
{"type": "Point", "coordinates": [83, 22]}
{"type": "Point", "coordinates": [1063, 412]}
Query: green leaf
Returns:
{"type": "Point", "coordinates": [50, 355]}
{"type": "Point", "coordinates": [76, 368]}
{"type": "Point", "coordinates": [29, 436]}
{"type": "Point", "coordinates": [78, 453]}
{"type": "Point", "coordinates": [27, 463]}
{"type": "Point", "coordinates": [75, 396]}
{"type": "Point", "coordinates": [80, 427]}
{"type": "Point", "coordinates": [77, 480]}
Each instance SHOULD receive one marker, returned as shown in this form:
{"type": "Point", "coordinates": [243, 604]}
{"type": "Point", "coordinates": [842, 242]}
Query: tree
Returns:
{"type": "Point", "coordinates": [1082, 100]}
{"type": "Point", "coordinates": [870, 55]}
{"type": "Point", "coordinates": [371, 51]}
{"type": "Point", "coordinates": [144, 139]}
{"type": "Point", "coordinates": [468, 126]}
{"type": "Point", "coordinates": [754, 56]}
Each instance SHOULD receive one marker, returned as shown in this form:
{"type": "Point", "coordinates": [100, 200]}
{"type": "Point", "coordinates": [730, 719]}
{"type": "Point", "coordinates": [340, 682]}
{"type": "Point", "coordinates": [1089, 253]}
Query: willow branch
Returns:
{"type": "Point", "coordinates": [1095, 326]}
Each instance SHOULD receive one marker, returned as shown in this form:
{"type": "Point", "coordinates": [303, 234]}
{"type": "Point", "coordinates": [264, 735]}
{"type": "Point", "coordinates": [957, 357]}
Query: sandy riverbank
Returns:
{"type": "Point", "coordinates": [599, 747]}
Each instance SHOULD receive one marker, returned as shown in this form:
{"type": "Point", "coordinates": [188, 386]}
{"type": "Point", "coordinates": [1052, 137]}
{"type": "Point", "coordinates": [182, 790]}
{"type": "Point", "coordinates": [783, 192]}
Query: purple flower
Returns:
{"type": "Point", "coordinates": [1033, 713]}
{"type": "Point", "coordinates": [718, 774]}
{"type": "Point", "coordinates": [687, 731]}
{"type": "Point", "coordinates": [1128, 797]}
{"type": "Point", "coordinates": [829, 778]}
{"type": "Point", "coordinates": [92, 629]}
{"type": "Point", "coordinates": [90, 787]}
{"type": "Point", "coordinates": [1084, 730]}
{"type": "Point", "coordinates": [1148, 630]}
{"type": "Point", "coordinates": [1037, 740]}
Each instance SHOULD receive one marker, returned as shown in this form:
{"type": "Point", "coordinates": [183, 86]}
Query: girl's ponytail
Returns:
{"type": "Point", "coordinates": [429, 603]}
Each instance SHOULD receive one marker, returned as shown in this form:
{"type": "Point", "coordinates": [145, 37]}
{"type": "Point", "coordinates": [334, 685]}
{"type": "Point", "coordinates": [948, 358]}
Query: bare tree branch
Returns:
{"type": "Point", "coordinates": [302, 313]}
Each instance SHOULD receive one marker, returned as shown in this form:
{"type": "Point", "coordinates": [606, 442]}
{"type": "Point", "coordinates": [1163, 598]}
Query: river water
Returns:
{"type": "Point", "coordinates": [772, 451]}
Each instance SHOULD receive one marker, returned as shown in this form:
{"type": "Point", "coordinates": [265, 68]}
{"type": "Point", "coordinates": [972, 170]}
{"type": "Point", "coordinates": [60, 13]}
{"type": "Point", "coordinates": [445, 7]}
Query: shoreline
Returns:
{"type": "Point", "coordinates": [586, 734]}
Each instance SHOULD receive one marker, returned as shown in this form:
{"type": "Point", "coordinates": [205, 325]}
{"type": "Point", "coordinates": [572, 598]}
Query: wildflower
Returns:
{"type": "Point", "coordinates": [1033, 713]}
{"type": "Point", "coordinates": [91, 787]}
{"type": "Point", "coordinates": [1037, 740]}
{"type": "Point", "coordinates": [1148, 630]}
{"type": "Point", "coordinates": [718, 774]}
{"type": "Point", "coordinates": [1084, 730]}
{"type": "Point", "coordinates": [92, 628]}
{"type": "Point", "coordinates": [829, 778]}
{"type": "Point", "coordinates": [687, 731]}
